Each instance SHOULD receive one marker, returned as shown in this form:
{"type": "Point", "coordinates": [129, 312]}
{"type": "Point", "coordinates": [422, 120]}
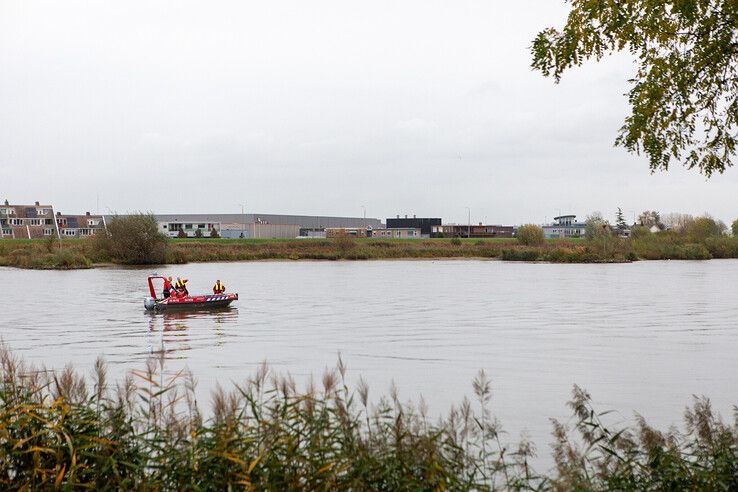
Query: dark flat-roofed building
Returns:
{"type": "Point", "coordinates": [425, 224]}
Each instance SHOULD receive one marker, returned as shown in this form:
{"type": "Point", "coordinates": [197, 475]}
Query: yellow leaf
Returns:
{"type": "Point", "coordinates": [326, 468]}
{"type": "Point", "coordinates": [60, 476]}
{"type": "Point", "coordinates": [254, 463]}
{"type": "Point", "coordinates": [234, 458]}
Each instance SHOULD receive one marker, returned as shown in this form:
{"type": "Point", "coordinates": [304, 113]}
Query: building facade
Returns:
{"type": "Point", "coordinates": [397, 233]}
{"type": "Point", "coordinates": [260, 231]}
{"type": "Point", "coordinates": [347, 231]}
{"type": "Point", "coordinates": [564, 226]}
{"type": "Point", "coordinates": [26, 221]}
{"type": "Point", "coordinates": [79, 225]}
{"type": "Point", "coordinates": [425, 224]}
{"type": "Point", "coordinates": [473, 231]}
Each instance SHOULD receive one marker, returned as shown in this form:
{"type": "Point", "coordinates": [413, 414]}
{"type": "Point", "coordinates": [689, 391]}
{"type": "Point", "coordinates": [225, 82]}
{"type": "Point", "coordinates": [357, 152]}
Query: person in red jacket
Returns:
{"type": "Point", "coordinates": [167, 290]}
{"type": "Point", "coordinates": [218, 288]}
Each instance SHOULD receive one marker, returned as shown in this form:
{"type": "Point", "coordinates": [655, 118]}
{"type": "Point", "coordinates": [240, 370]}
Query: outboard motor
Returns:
{"type": "Point", "coordinates": [149, 303]}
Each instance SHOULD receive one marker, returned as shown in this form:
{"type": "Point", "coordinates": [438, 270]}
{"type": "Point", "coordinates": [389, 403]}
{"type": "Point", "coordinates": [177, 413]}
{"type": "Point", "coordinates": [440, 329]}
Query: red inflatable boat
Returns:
{"type": "Point", "coordinates": [206, 301]}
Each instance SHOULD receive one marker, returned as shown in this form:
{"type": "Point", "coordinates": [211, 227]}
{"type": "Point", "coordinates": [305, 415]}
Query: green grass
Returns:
{"type": "Point", "coordinates": [62, 430]}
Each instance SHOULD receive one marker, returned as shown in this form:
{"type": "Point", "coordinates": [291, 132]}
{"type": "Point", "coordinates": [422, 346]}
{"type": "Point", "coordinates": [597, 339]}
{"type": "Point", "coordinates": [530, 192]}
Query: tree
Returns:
{"type": "Point", "coordinates": [734, 228]}
{"type": "Point", "coordinates": [684, 94]}
{"type": "Point", "coordinates": [620, 224]}
{"type": "Point", "coordinates": [530, 235]}
{"type": "Point", "coordinates": [214, 233]}
{"type": "Point", "coordinates": [596, 227]}
{"type": "Point", "coordinates": [133, 239]}
{"type": "Point", "coordinates": [650, 218]}
{"type": "Point", "coordinates": [701, 228]}
{"type": "Point", "coordinates": [198, 233]}
{"type": "Point", "coordinates": [181, 234]}
{"type": "Point", "coordinates": [677, 222]}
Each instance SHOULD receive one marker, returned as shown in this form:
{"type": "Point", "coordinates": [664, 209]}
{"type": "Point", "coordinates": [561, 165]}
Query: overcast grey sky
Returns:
{"type": "Point", "coordinates": [410, 107]}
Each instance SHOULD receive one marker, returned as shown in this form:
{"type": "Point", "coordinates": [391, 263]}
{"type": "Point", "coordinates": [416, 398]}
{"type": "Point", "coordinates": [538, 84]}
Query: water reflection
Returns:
{"type": "Point", "coordinates": [172, 334]}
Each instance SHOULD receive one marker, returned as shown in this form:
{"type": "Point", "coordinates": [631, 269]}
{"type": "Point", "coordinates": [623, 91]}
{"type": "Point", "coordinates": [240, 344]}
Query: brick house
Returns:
{"type": "Point", "coordinates": [79, 225]}
{"type": "Point", "coordinates": [26, 221]}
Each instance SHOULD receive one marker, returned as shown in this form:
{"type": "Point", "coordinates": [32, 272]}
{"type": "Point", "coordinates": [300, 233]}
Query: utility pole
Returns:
{"type": "Point", "coordinates": [468, 223]}
{"type": "Point", "coordinates": [364, 209]}
{"type": "Point", "coordinates": [243, 226]}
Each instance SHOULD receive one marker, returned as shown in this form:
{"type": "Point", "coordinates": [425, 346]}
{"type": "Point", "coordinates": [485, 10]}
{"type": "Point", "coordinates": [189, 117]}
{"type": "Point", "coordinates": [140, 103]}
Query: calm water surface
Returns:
{"type": "Point", "coordinates": [640, 337]}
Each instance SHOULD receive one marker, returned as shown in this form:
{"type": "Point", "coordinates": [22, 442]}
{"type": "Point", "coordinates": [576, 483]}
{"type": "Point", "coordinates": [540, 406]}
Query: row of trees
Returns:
{"type": "Point", "coordinates": [693, 229]}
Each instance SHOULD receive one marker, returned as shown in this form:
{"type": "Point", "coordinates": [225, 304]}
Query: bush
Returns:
{"type": "Point", "coordinates": [133, 240]}
{"type": "Point", "coordinates": [198, 233]}
{"type": "Point", "coordinates": [345, 243]}
{"type": "Point", "coordinates": [638, 232]}
{"type": "Point", "coordinates": [520, 254]}
{"type": "Point", "coordinates": [214, 233]}
{"type": "Point", "coordinates": [531, 235]}
{"type": "Point", "coordinates": [701, 228]}
{"type": "Point", "coordinates": [693, 252]}
{"type": "Point", "coordinates": [596, 228]}
{"type": "Point", "coordinates": [181, 234]}
{"type": "Point", "coordinates": [456, 241]}
{"type": "Point", "coordinates": [722, 246]}
{"type": "Point", "coordinates": [734, 228]}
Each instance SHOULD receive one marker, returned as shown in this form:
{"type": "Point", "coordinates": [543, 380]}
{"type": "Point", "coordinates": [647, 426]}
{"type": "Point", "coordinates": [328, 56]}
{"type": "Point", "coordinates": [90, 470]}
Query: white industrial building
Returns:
{"type": "Point", "coordinates": [266, 226]}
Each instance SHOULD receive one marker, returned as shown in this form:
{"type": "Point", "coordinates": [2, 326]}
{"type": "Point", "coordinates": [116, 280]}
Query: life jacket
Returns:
{"type": "Point", "coordinates": [167, 284]}
{"type": "Point", "coordinates": [218, 288]}
{"type": "Point", "coordinates": [180, 284]}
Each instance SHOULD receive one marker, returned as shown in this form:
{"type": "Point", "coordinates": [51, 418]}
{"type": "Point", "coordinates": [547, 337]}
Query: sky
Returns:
{"type": "Point", "coordinates": [325, 107]}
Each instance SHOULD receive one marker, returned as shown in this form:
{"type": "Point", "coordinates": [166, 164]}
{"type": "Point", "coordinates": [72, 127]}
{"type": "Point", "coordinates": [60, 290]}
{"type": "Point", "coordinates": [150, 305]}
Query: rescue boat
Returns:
{"type": "Point", "coordinates": [205, 301]}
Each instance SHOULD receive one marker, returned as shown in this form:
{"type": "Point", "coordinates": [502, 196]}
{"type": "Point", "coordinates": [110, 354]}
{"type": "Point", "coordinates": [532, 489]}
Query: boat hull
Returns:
{"type": "Point", "coordinates": [214, 301]}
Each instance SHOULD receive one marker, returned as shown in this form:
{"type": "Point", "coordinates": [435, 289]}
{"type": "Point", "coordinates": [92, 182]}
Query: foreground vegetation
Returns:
{"type": "Point", "coordinates": [135, 240]}
{"type": "Point", "coordinates": [60, 430]}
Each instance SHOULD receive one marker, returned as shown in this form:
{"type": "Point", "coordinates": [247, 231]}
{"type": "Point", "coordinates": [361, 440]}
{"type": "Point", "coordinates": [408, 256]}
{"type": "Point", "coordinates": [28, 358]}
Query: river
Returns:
{"type": "Point", "coordinates": [639, 337]}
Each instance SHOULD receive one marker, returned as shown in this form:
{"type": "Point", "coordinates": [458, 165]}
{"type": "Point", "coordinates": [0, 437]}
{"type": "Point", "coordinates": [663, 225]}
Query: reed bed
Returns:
{"type": "Point", "coordinates": [84, 253]}
{"type": "Point", "coordinates": [63, 430]}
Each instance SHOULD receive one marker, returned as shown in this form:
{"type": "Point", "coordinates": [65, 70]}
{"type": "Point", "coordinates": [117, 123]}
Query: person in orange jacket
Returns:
{"type": "Point", "coordinates": [167, 290]}
{"type": "Point", "coordinates": [218, 288]}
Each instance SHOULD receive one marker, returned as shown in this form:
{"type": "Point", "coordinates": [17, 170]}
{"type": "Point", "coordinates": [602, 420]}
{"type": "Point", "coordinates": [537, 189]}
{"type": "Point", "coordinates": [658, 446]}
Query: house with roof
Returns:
{"type": "Point", "coordinates": [79, 225]}
{"type": "Point", "coordinates": [26, 221]}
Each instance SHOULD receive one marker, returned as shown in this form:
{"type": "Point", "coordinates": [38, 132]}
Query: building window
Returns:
{"type": "Point", "coordinates": [70, 232]}
{"type": "Point", "coordinates": [34, 222]}
{"type": "Point", "coordinates": [48, 232]}
{"type": "Point", "coordinates": [188, 226]}
{"type": "Point", "coordinates": [7, 232]}
{"type": "Point", "coordinates": [41, 211]}
{"type": "Point", "coordinates": [175, 227]}
{"type": "Point", "coordinates": [201, 226]}
{"type": "Point", "coordinates": [16, 221]}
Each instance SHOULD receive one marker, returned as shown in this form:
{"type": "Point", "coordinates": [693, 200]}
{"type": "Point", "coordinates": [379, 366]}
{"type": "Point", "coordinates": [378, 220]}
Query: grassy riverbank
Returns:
{"type": "Point", "coordinates": [61, 430]}
{"type": "Point", "coordinates": [82, 253]}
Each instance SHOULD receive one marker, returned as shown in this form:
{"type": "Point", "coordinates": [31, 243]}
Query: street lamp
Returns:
{"type": "Point", "coordinates": [364, 209]}
{"type": "Point", "coordinates": [243, 225]}
{"type": "Point", "coordinates": [468, 226]}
